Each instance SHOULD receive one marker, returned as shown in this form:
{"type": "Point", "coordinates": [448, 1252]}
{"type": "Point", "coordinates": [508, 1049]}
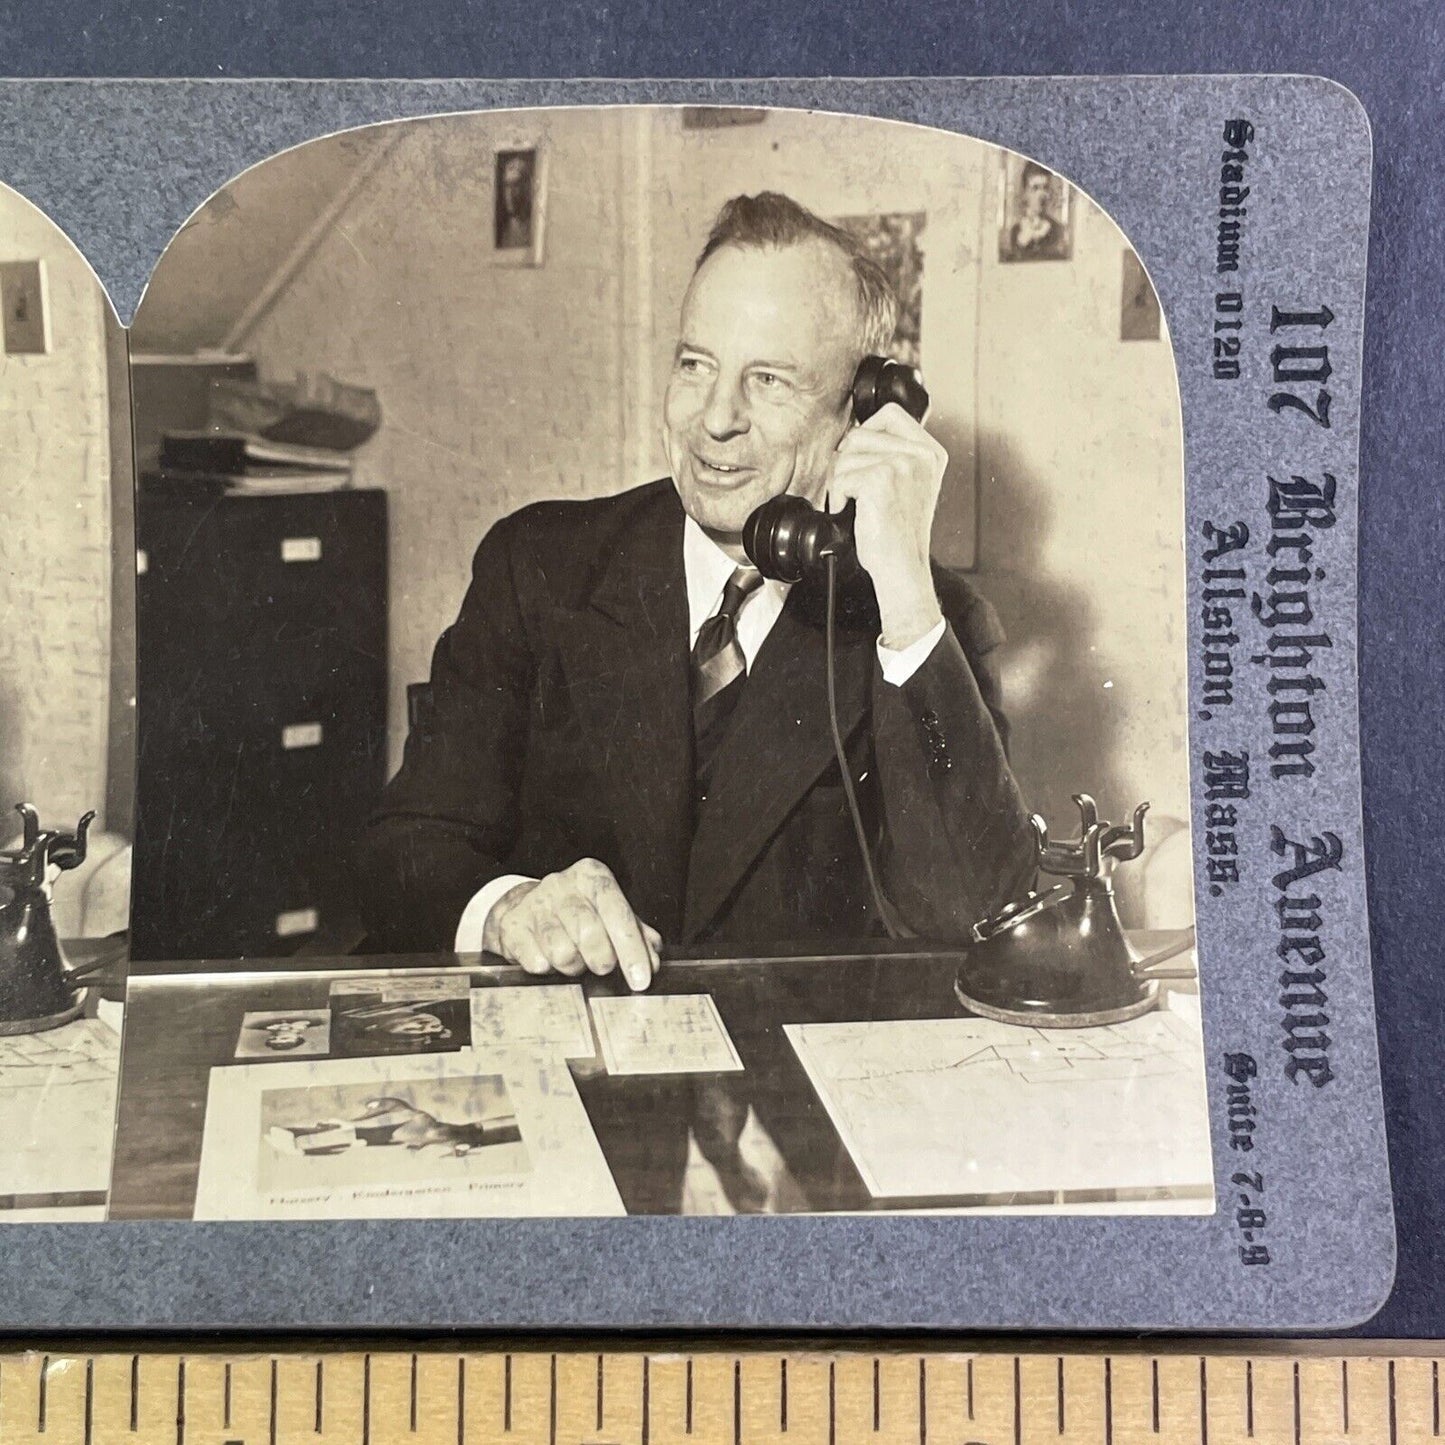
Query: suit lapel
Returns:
{"type": "Point", "coordinates": [625, 657]}
{"type": "Point", "coordinates": [777, 746]}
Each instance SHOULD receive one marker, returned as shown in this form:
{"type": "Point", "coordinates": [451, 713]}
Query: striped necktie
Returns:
{"type": "Point", "coordinates": [718, 670]}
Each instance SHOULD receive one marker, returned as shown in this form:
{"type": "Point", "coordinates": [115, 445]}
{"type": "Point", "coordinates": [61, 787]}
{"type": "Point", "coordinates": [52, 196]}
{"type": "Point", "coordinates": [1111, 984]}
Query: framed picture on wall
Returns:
{"type": "Point", "coordinates": [1035, 214]}
{"type": "Point", "coordinates": [519, 203]}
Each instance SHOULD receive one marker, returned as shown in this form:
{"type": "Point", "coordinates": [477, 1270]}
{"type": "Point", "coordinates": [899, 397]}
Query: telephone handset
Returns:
{"type": "Point", "coordinates": [786, 538]}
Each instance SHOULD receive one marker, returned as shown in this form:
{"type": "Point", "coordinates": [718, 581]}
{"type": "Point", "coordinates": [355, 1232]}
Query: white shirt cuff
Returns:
{"type": "Point", "coordinates": [474, 915]}
{"type": "Point", "coordinates": [898, 667]}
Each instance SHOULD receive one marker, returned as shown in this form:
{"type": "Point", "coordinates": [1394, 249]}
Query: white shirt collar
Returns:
{"type": "Point", "coordinates": [707, 569]}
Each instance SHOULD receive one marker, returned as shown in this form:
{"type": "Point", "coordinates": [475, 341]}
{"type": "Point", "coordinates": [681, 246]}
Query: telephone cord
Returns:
{"type": "Point", "coordinates": [879, 903]}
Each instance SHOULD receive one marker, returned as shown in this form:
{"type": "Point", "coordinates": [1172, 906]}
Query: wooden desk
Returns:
{"type": "Point", "coordinates": [180, 1026]}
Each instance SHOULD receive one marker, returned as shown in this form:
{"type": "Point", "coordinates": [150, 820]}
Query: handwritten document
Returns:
{"type": "Point", "coordinates": [664, 1034]}
{"type": "Point", "coordinates": [959, 1108]}
{"type": "Point", "coordinates": [57, 1109]}
{"type": "Point", "coordinates": [549, 1016]}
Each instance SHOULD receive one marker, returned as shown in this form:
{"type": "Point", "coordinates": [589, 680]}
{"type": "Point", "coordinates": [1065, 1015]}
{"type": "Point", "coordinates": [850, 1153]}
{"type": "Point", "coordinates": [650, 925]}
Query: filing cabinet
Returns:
{"type": "Point", "coordinates": [261, 728]}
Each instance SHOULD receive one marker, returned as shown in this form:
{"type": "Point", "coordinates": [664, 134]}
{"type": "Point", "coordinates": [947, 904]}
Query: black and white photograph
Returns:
{"type": "Point", "coordinates": [67, 719]}
{"type": "Point", "coordinates": [424, 1015]}
{"type": "Point", "coordinates": [763, 622]}
{"type": "Point", "coordinates": [519, 201]}
{"type": "Point", "coordinates": [341, 1136]}
{"type": "Point", "coordinates": [1035, 212]}
{"type": "Point", "coordinates": [445, 1136]}
{"type": "Point", "coordinates": [284, 1034]}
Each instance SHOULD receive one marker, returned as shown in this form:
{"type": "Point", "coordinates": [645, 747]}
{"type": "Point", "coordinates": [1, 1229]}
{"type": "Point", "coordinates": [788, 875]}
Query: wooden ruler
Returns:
{"type": "Point", "coordinates": [1283, 1395]}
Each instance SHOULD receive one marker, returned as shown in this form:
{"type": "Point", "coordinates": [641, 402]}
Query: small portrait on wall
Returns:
{"type": "Point", "coordinates": [1035, 215]}
{"type": "Point", "coordinates": [518, 205]}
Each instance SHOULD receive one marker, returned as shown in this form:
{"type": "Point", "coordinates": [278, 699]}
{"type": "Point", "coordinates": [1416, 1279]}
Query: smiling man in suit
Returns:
{"type": "Point", "coordinates": [627, 737]}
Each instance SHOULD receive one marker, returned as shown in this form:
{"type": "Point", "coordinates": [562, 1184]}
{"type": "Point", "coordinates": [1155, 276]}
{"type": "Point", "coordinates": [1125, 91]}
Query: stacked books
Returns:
{"type": "Point", "coordinates": [239, 463]}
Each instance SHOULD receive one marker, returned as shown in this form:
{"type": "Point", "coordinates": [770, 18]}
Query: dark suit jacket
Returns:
{"type": "Point", "coordinates": [559, 728]}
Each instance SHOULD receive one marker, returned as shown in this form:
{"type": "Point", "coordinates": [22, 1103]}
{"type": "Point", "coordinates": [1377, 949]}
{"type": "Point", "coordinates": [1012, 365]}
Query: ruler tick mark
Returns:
{"type": "Point", "coordinates": [783, 1395]}
{"type": "Point", "coordinates": [1249, 1398]}
{"type": "Point", "coordinates": [461, 1399]}
{"type": "Point", "coordinates": [832, 1405]}
{"type": "Point", "coordinates": [89, 1400]}
{"type": "Point", "coordinates": [970, 1389]}
{"type": "Point", "coordinates": [44, 1390]}
{"type": "Point", "coordinates": [1394, 1422]}
{"type": "Point", "coordinates": [688, 1405]}
{"type": "Point", "coordinates": [922, 1401]}
{"type": "Point", "coordinates": [507, 1395]}
{"type": "Point", "coordinates": [877, 1399]}
{"type": "Point", "coordinates": [226, 1396]}
{"type": "Point", "coordinates": [181, 1401]}
{"type": "Point", "coordinates": [646, 1400]}
{"type": "Point", "coordinates": [1018, 1403]}
{"type": "Point", "coordinates": [737, 1402]}
{"type": "Point", "coordinates": [600, 1404]}
{"type": "Point", "coordinates": [1059, 1371]}
{"type": "Point", "coordinates": [413, 1394]}
{"type": "Point", "coordinates": [320, 1423]}
{"type": "Point", "coordinates": [1203, 1401]}
{"type": "Point", "coordinates": [272, 1426]}
{"type": "Point", "coordinates": [1434, 1397]}
{"type": "Point", "coordinates": [552, 1403]}
{"type": "Point", "coordinates": [134, 1393]}
{"type": "Point", "coordinates": [1296, 1405]}
{"type": "Point", "coordinates": [1345, 1396]}
{"type": "Point", "coordinates": [1154, 1393]}
{"type": "Point", "coordinates": [1108, 1401]}
{"type": "Point", "coordinates": [366, 1400]}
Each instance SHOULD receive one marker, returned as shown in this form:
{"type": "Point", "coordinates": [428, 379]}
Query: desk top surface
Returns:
{"type": "Point", "coordinates": [180, 1025]}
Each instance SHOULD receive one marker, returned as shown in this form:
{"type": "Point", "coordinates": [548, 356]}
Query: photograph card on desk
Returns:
{"type": "Point", "coordinates": [664, 1034]}
{"type": "Point", "coordinates": [426, 1014]}
{"type": "Point", "coordinates": [577, 754]}
{"type": "Point", "coordinates": [57, 1114]}
{"type": "Point", "coordinates": [536, 1015]}
{"type": "Point", "coordinates": [413, 1138]}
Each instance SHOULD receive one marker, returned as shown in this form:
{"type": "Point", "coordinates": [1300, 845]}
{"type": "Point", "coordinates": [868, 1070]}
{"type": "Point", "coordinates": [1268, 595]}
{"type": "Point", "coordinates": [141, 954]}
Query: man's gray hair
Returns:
{"type": "Point", "coordinates": [771, 219]}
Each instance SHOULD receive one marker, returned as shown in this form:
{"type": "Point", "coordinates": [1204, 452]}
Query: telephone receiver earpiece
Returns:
{"type": "Point", "coordinates": [880, 380]}
{"type": "Point", "coordinates": [786, 537]}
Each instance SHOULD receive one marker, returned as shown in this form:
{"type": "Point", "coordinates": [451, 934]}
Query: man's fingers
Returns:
{"type": "Point", "coordinates": [633, 952]}
{"type": "Point", "coordinates": [654, 946]}
{"type": "Point", "coordinates": [559, 948]}
{"type": "Point", "coordinates": [887, 444]}
{"type": "Point", "coordinates": [521, 945]}
{"type": "Point", "coordinates": [589, 934]}
{"type": "Point", "coordinates": [892, 419]}
{"type": "Point", "coordinates": [845, 484]}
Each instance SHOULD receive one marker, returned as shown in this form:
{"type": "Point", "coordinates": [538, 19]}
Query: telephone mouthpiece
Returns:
{"type": "Point", "coordinates": [786, 538]}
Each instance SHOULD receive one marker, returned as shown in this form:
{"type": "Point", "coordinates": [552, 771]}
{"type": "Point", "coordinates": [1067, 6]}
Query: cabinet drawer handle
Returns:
{"type": "Point", "coordinates": [301, 735]}
{"type": "Point", "coordinates": [301, 549]}
{"type": "Point", "coordinates": [297, 920]}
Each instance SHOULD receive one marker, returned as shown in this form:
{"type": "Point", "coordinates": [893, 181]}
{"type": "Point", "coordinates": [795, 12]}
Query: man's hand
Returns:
{"type": "Point", "coordinates": [893, 469]}
{"type": "Point", "coordinates": [573, 922]}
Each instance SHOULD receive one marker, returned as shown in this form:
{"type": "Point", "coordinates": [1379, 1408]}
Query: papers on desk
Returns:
{"type": "Point", "coordinates": [535, 1017]}
{"type": "Point", "coordinates": [663, 1034]}
{"type": "Point", "coordinates": [948, 1109]}
{"type": "Point", "coordinates": [427, 1136]}
{"type": "Point", "coordinates": [57, 1116]}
